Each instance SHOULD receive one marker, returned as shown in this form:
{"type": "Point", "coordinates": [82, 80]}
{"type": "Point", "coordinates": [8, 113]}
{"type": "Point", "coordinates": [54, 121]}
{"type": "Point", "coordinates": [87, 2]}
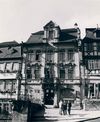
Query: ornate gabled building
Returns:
{"type": "Point", "coordinates": [91, 60]}
{"type": "Point", "coordinates": [51, 61]}
{"type": "Point", "coordinates": [10, 67]}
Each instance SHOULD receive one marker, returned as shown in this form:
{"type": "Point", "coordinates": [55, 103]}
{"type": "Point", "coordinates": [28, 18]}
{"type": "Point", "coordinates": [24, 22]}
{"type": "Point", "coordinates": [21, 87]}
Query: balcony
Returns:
{"type": "Point", "coordinates": [70, 62]}
{"type": "Point", "coordinates": [70, 81]}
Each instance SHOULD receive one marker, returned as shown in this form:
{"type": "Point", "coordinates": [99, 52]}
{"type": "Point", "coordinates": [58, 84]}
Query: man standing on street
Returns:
{"type": "Point", "coordinates": [69, 107]}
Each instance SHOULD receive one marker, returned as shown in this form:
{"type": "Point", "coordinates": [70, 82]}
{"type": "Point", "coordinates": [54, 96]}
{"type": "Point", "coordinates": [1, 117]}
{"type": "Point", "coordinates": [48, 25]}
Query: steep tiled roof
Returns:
{"type": "Point", "coordinates": [65, 34]}
{"type": "Point", "coordinates": [4, 44]}
{"type": "Point", "coordinates": [10, 50]}
{"type": "Point", "coordinates": [91, 34]}
{"type": "Point", "coordinates": [36, 37]}
{"type": "Point", "coordinates": [68, 34]}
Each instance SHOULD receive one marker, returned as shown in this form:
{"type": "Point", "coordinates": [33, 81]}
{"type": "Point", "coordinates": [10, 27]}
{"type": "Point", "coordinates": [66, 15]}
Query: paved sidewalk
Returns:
{"type": "Point", "coordinates": [52, 114]}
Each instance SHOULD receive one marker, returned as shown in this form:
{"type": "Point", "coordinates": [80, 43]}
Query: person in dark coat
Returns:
{"type": "Point", "coordinates": [69, 107]}
{"type": "Point", "coordinates": [64, 107]}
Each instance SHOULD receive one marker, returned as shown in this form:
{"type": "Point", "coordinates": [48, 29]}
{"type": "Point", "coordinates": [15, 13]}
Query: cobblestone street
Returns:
{"type": "Point", "coordinates": [52, 114]}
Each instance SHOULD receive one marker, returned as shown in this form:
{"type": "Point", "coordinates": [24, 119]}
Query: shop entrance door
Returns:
{"type": "Point", "coordinates": [49, 96]}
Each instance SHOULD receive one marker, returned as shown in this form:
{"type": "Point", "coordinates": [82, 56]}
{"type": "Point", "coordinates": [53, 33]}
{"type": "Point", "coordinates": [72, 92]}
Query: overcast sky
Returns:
{"type": "Point", "coordinates": [20, 18]}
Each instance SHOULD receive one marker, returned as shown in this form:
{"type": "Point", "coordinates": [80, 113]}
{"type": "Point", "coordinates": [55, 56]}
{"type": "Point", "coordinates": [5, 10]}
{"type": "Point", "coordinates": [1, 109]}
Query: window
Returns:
{"type": "Point", "coordinates": [6, 107]}
{"type": "Point", "coordinates": [50, 37]}
{"type": "Point", "coordinates": [4, 85]}
{"type": "Point", "coordinates": [8, 67]}
{"type": "Point", "coordinates": [37, 73]}
{"type": "Point", "coordinates": [37, 55]}
{"type": "Point", "coordinates": [37, 91]}
{"type": "Point", "coordinates": [0, 108]}
{"type": "Point", "coordinates": [61, 56]}
{"type": "Point", "coordinates": [98, 33]}
{"type": "Point", "coordinates": [15, 66]}
{"type": "Point", "coordinates": [32, 57]}
{"type": "Point", "coordinates": [70, 55]}
{"type": "Point", "coordinates": [2, 67]}
{"type": "Point", "coordinates": [93, 64]}
{"type": "Point", "coordinates": [1, 85]}
{"type": "Point", "coordinates": [62, 73]}
{"type": "Point", "coordinates": [28, 71]}
{"type": "Point", "coordinates": [8, 86]}
{"type": "Point", "coordinates": [91, 89]}
{"type": "Point", "coordinates": [49, 57]}
{"type": "Point", "coordinates": [47, 73]}
{"type": "Point", "coordinates": [98, 47]}
{"type": "Point", "coordinates": [70, 73]}
{"type": "Point", "coordinates": [13, 86]}
{"type": "Point", "coordinates": [90, 47]}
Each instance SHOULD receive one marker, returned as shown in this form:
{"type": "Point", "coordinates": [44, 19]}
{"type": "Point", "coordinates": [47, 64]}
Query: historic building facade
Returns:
{"type": "Point", "coordinates": [51, 65]}
{"type": "Point", "coordinates": [10, 67]}
{"type": "Point", "coordinates": [91, 60]}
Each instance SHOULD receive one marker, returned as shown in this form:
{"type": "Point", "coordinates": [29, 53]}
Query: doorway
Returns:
{"type": "Point", "coordinates": [49, 96]}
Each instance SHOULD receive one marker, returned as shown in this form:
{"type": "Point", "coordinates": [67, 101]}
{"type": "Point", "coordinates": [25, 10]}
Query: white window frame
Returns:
{"type": "Point", "coordinates": [8, 67]}
{"type": "Point", "coordinates": [15, 66]}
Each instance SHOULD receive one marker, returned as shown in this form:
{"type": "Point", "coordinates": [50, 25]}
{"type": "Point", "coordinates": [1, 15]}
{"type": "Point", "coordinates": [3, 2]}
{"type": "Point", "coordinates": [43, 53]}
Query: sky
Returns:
{"type": "Point", "coordinates": [20, 18]}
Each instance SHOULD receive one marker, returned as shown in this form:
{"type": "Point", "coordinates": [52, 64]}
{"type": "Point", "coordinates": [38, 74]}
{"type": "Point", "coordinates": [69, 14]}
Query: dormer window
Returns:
{"type": "Point", "coordinates": [98, 33]}
{"type": "Point", "coordinates": [50, 36]}
{"type": "Point", "coordinates": [51, 32]}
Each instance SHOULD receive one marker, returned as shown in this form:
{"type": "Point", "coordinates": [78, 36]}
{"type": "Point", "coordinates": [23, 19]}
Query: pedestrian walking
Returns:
{"type": "Point", "coordinates": [64, 107]}
{"type": "Point", "coordinates": [60, 107]}
{"type": "Point", "coordinates": [69, 107]}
